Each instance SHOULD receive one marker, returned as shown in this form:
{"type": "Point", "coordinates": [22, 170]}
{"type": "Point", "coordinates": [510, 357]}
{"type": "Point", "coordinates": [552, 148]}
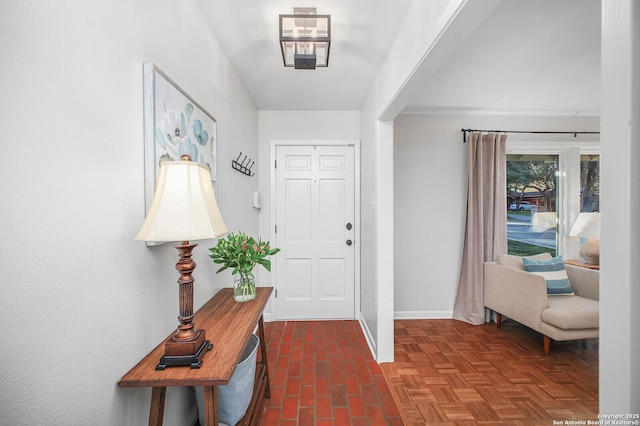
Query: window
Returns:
{"type": "Point", "coordinates": [532, 213]}
{"type": "Point", "coordinates": [548, 184]}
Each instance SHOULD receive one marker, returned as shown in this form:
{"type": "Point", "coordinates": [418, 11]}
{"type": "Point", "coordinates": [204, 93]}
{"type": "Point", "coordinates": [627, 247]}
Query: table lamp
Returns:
{"type": "Point", "coordinates": [183, 209]}
{"type": "Point", "coordinates": [587, 225]}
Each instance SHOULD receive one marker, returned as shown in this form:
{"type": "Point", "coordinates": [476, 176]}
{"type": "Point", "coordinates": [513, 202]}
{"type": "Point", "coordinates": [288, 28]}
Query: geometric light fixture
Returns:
{"type": "Point", "coordinates": [184, 209]}
{"type": "Point", "coordinates": [305, 38]}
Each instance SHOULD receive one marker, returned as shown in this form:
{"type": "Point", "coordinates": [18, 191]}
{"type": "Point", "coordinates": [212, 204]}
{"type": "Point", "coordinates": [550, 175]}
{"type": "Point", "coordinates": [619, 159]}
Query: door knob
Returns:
{"type": "Point", "coordinates": [349, 226]}
{"type": "Point", "coordinates": [349, 242]}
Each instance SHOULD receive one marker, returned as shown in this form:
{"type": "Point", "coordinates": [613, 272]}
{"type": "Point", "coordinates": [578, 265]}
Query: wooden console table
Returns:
{"type": "Point", "coordinates": [228, 325]}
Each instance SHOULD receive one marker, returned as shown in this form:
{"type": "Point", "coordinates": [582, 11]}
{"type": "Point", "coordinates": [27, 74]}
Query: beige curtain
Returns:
{"type": "Point", "coordinates": [486, 224]}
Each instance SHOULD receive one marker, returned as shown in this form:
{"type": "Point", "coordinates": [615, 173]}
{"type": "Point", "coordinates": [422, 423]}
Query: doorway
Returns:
{"type": "Point", "coordinates": [317, 231]}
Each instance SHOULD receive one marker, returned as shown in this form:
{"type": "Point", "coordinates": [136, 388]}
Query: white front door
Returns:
{"type": "Point", "coordinates": [315, 230]}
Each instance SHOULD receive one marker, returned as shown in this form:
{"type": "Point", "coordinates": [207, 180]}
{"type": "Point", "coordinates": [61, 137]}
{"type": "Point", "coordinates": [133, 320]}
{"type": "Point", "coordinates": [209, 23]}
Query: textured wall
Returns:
{"type": "Point", "coordinates": [82, 301]}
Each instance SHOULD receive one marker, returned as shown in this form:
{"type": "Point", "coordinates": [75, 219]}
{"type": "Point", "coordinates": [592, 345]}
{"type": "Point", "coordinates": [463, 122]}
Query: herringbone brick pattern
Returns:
{"type": "Point", "coordinates": [451, 373]}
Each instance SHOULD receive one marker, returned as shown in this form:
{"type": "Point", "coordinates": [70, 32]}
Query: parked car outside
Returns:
{"type": "Point", "coordinates": [524, 205]}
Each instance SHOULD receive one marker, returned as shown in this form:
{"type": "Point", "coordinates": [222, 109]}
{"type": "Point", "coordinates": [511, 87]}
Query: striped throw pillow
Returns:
{"type": "Point", "coordinates": [554, 273]}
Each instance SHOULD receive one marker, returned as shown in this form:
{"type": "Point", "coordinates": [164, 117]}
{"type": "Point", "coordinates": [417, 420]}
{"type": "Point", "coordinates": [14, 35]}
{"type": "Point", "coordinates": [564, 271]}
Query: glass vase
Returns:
{"type": "Point", "coordinates": [244, 288]}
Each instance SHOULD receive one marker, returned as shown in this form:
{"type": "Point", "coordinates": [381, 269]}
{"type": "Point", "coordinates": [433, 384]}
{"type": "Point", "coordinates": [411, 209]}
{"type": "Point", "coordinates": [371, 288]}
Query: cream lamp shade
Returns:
{"type": "Point", "coordinates": [587, 225]}
{"type": "Point", "coordinates": [184, 206]}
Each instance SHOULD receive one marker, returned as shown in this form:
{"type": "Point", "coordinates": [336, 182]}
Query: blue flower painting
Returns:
{"type": "Point", "coordinates": [181, 125]}
{"type": "Point", "coordinates": [201, 134]}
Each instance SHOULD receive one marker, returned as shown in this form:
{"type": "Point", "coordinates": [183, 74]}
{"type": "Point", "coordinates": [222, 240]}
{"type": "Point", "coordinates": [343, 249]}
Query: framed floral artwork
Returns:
{"type": "Point", "coordinates": [174, 124]}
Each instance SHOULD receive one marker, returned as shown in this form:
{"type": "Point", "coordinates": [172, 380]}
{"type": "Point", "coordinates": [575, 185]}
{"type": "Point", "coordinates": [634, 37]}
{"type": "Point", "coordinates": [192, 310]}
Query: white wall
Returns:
{"type": "Point", "coordinates": [620, 242]}
{"type": "Point", "coordinates": [82, 302]}
{"type": "Point", "coordinates": [417, 33]}
{"type": "Point", "coordinates": [430, 197]}
{"type": "Point", "coordinates": [294, 126]}
{"type": "Point", "coordinates": [430, 32]}
{"type": "Point", "coordinates": [368, 228]}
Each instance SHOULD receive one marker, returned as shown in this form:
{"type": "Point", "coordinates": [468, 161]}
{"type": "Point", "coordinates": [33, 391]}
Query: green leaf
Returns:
{"type": "Point", "coordinates": [242, 253]}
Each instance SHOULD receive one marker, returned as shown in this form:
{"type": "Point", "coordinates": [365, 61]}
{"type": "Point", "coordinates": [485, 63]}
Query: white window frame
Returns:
{"type": "Point", "coordinates": [568, 191]}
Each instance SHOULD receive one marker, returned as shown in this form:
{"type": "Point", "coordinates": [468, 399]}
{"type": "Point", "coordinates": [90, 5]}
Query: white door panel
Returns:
{"type": "Point", "coordinates": [314, 202]}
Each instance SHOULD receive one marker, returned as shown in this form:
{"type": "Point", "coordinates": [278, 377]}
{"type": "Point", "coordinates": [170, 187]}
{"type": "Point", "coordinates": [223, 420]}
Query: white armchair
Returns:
{"type": "Point", "coordinates": [522, 296]}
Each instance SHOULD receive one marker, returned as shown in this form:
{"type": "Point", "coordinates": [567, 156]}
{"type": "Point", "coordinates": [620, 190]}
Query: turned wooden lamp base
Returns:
{"type": "Point", "coordinates": [188, 345]}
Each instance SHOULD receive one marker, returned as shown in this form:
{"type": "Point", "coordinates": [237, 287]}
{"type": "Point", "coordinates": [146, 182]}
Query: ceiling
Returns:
{"type": "Point", "coordinates": [531, 56]}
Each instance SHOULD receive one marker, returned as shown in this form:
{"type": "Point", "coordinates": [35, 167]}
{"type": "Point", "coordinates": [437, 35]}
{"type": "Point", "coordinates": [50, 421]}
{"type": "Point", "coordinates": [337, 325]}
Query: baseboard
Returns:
{"type": "Point", "coordinates": [423, 315]}
{"type": "Point", "coordinates": [371, 342]}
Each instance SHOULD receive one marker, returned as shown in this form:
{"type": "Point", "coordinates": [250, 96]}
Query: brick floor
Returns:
{"type": "Point", "coordinates": [322, 373]}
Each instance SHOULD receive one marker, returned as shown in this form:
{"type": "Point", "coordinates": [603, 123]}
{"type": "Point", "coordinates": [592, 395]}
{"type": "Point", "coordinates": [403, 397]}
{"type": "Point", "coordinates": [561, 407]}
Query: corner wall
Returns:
{"type": "Point", "coordinates": [429, 33]}
{"type": "Point", "coordinates": [82, 301]}
{"type": "Point", "coordinates": [620, 229]}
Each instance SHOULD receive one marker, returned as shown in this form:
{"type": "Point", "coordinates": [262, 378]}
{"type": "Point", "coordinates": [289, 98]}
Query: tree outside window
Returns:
{"type": "Point", "coordinates": [589, 183]}
{"type": "Point", "coordinates": [531, 204]}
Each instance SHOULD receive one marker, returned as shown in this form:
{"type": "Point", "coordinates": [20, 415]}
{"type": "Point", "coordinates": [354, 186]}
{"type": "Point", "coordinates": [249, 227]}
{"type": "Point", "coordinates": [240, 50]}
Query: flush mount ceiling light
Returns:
{"type": "Point", "coordinates": [305, 38]}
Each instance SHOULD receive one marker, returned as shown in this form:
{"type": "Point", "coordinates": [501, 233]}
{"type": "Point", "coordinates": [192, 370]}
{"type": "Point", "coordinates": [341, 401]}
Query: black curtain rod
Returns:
{"type": "Point", "coordinates": [575, 134]}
